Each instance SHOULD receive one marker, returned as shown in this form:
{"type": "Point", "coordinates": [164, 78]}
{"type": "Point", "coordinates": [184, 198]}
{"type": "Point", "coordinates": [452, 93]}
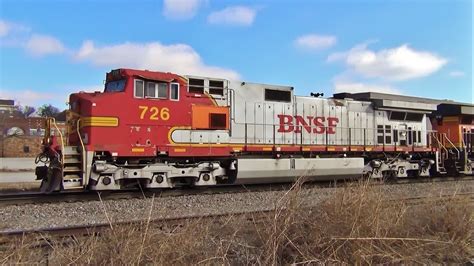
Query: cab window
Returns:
{"type": "Point", "coordinates": [174, 91]}
{"type": "Point", "coordinates": [139, 87]}
{"type": "Point", "coordinates": [115, 86]}
{"type": "Point", "coordinates": [150, 89]}
{"type": "Point", "coordinates": [162, 90]}
{"type": "Point", "coordinates": [156, 90]}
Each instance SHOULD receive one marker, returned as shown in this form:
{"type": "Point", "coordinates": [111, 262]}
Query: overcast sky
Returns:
{"type": "Point", "coordinates": [50, 48]}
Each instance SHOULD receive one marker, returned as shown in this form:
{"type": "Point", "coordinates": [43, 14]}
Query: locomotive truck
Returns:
{"type": "Point", "coordinates": [163, 130]}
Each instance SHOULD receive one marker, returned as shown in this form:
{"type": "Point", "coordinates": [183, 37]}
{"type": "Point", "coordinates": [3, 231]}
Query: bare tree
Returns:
{"type": "Point", "coordinates": [25, 110]}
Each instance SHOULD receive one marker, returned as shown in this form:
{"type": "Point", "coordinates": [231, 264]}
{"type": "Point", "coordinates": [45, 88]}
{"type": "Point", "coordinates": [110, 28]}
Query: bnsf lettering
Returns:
{"type": "Point", "coordinates": [318, 124]}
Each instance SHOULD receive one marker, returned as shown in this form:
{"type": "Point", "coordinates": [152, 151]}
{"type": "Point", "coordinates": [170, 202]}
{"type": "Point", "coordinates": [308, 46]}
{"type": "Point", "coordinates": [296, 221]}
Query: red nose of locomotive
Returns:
{"type": "Point", "coordinates": [79, 108]}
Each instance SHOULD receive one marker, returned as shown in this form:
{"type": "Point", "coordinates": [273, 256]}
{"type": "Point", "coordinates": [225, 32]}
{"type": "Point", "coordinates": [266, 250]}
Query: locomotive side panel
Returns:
{"type": "Point", "coordinates": [306, 121]}
{"type": "Point", "coordinates": [400, 129]}
{"type": "Point", "coordinates": [255, 122]}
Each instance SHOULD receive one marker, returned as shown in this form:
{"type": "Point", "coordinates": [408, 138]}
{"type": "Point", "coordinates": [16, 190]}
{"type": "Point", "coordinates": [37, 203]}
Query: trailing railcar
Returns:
{"type": "Point", "coordinates": [162, 130]}
{"type": "Point", "coordinates": [454, 123]}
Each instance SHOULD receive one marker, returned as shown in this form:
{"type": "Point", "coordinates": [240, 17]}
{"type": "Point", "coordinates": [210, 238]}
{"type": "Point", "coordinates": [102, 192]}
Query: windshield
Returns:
{"type": "Point", "coordinates": [115, 86]}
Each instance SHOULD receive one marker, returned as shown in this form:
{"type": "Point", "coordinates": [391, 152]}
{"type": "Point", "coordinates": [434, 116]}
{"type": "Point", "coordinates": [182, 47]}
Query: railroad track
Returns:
{"type": "Point", "coordinates": [23, 198]}
{"type": "Point", "coordinates": [86, 230]}
{"type": "Point", "coordinates": [78, 196]}
{"type": "Point", "coordinates": [420, 200]}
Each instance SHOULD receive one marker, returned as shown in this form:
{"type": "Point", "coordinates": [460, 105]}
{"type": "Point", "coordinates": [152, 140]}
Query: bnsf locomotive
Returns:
{"type": "Point", "coordinates": [162, 130]}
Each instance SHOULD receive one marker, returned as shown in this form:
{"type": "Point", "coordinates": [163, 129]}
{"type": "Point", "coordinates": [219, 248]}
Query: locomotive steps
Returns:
{"type": "Point", "coordinates": [72, 171]}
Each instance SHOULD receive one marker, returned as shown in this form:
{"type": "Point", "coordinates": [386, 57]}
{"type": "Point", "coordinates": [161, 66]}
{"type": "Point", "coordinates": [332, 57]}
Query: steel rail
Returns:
{"type": "Point", "coordinates": [80, 196]}
{"type": "Point", "coordinates": [86, 230]}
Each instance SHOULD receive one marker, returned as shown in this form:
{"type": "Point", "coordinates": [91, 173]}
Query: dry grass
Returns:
{"type": "Point", "coordinates": [359, 225]}
{"type": "Point", "coordinates": [356, 226]}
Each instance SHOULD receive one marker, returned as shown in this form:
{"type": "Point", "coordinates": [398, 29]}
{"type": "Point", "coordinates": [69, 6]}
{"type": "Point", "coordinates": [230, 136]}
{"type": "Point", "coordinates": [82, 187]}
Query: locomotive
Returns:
{"type": "Point", "coordinates": [163, 130]}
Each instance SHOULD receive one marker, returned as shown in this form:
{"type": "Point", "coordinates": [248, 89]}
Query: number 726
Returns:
{"type": "Point", "coordinates": [154, 113]}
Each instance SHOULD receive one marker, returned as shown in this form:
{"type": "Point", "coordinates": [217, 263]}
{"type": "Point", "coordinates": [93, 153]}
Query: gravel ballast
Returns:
{"type": "Point", "coordinates": [49, 215]}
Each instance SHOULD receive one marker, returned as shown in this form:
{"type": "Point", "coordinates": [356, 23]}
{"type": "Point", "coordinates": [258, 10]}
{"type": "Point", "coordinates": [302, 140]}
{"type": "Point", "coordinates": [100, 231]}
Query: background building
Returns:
{"type": "Point", "coordinates": [21, 136]}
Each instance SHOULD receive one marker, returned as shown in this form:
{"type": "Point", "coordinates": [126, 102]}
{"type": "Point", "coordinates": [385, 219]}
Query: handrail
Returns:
{"type": "Point", "coordinates": [79, 134]}
{"type": "Point", "coordinates": [440, 144]}
{"type": "Point", "coordinates": [359, 136]}
{"type": "Point", "coordinates": [463, 142]}
{"type": "Point", "coordinates": [83, 151]}
{"type": "Point", "coordinates": [452, 144]}
{"type": "Point", "coordinates": [313, 126]}
{"type": "Point", "coordinates": [62, 140]}
{"type": "Point", "coordinates": [354, 135]}
{"type": "Point", "coordinates": [231, 97]}
{"type": "Point", "coordinates": [231, 104]}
